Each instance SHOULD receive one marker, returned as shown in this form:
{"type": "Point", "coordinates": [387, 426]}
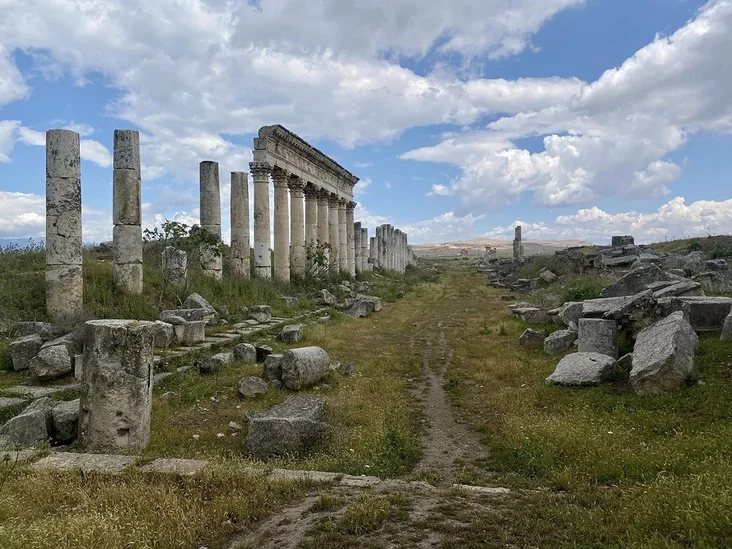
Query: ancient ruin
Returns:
{"type": "Point", "coordinates": [518, 245]}
{"type": "Point", "coordinates": [211, 263]}
{"type": "Point", "coordinates": [240, 263]}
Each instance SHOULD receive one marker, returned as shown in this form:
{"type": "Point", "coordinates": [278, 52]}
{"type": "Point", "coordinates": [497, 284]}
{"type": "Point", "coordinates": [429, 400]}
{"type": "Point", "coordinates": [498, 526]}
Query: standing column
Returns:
{"type": "Point", "coordinates": [342, 236]}
{"type": "Point", "coordinates": [323, 221]}
{"type": "Point", "coordinates": [364, 249]}
{"type": "Point", "coordinates": [240, 224]}
{"type": "Point", "coordinates": [210, 215]}
{"type": "Point", "coordinates": [518, 246]}
{"type": "Point", "coordinates": [379, 246]}
{"type": "Point", "coordinates": [333, 232]}
{"type": "Point", "coordinates": [384, 247]}
{"type": "Point", "coordinates": [297, 226]}
{"type": "Point", "coordinates": [64, 280]}
{"type": "Point", "coordinates": [358, 265]}
{"type": "Point", "coordinates": [126, 207]}
{"type": "Point", "coordinates": [373, 252]}
{"type": "Point", "coordinates": [281, 225]}
{"type": "Point", "coordinates": [350, 239]}
{"type": "Point", "coordinates": [311, 215]}
{"type": "Point", "coordinates": [262, 257]}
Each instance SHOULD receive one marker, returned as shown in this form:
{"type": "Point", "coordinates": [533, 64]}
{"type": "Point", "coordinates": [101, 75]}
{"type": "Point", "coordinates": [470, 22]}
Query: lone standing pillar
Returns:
{"type": "Point", "coordinates": [240, 224]}
{"type": "Point", "coordinates": [262, 258]}
{"type": "Point", "coordinates": [333, 232]}
{"type": "Point", "coordinates": [311, 215]}
{"type": "Point", "coordinates": [342, 236]}
{"type": "Point", "coordinates": [116, 387]}
{"type": "Point", "coordinates": [518, 245]}
{"type": "Point", "coordinates": [357, 247]}
{"type": "Point", "coordinates": [297, 227]}
{"type": "Point", "coordinates": [127, 212]}
{"type": "Point", "coordinates": [210, 215]}
{"type": "Point", "coordinates": [281, 225]}
{"type": "Point", "coordinates": [350, 239]}
{"type": "Point", "coordinates": [364, 249]}
{"type": "Point", "coordinates": [64, 280]}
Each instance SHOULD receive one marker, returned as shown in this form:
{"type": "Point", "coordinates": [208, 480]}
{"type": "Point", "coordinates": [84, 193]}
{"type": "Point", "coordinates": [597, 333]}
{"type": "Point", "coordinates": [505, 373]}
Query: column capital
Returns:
{"type": "Point", "coordinates": [296, 183]}
{"type": "Point", "coordinates": [351, 205]}
{"type": "Point", "coordinates": [259, 169]}
{"type": "Point", "coordinates": [333, 200]}
{"type": "Point", "coordinates": [280, 177]}
{"type": "Point", "coordinates": [323, 195]}
{"type": "Point", "coordinates": [342, 203]}
{"type": "Point", "coordinates": [311, 191]}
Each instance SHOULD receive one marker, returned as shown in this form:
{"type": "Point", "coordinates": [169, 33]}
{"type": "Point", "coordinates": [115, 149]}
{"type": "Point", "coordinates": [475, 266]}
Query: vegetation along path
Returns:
{"type": "Point", "coordinates": [441, 394]}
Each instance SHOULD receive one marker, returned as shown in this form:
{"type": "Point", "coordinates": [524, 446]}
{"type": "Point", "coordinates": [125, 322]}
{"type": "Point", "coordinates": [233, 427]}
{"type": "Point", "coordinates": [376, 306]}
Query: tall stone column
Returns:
{"type": "Point", "coordinates": [358, 265]}
{"type": "Point", "coordinates": [379, 248]}
{"type": "Point", "coordinates": [64, 280]}
{"type": "Point", "coordinates": [518, 246]}
{"type": "Point", "coordinates": [240, 224]}
{"type": "Point", "coordinates": [127, 212]}
{"type": "Point", "coordinates": [280, 178]}
{"type": "Point", "coordinates": [311, 215]}
{"type": "Point", "coordinates": [350, 239]}
{"type": "Point", "coordinates": [116, 386]}
{"type": "Point", "coordinates": [210, 215]}
{"type": "Point", "coordinates": [333, 232]}
{"type": "Point", "coordinates": [297, 226]}
{"type": "Point", "coordinates": [342, 236]}
{"type": "Point", "coordinates": [385, 247]}
{"type": "Point", "coordinates": [364, 249]}
{"type": "Point", "coordinates": [373, 253]}
{"type": "Point", "coordinates": [262, 258]}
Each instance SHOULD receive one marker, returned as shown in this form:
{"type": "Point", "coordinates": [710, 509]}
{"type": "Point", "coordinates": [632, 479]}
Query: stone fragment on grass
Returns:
{"type": "Point", "coordinates": [360, 308]}
{"type": "Point", "coordinates": [272, 368]}
{"type": "Point", "coordinates": [570, 312]}
{"type": "Point", "coordinates": [29, 429]}
{"type": "Point", "coordinates": [304, 367]}
{"type": "Point", "coordinates": [292, 333]}
{"type": "Point", "coordinates": [532, 315]}
{"type": "Point", "coordinates": [51, 363]}
{"type": "Point", "coordinates": [190, 333]}
{"type": "Point", "coordinates": [558, 342]}
{"type": "Point", "coordinates": [23, 349]}
{"type": "Point", "coordinates": [260, 313]}
{"type": "Point", "coordinates": [212, 364]}
{"type": "Point", "coordinates": [252, 386]}
{"type": "Point", "coordinates": [195, 301]}
{"type": "Point", "coordinates": [371, 299]}
{"type": "Point", "coordinates": [163, 334]}
{"type": "Point", "coordinates": [598, 336]}
{"type": "Point", "coordinates": [548, 276]}
{"type": "Point", "coordinates": [663, 356]}
{"type": "Point", "coordinates": [531, 339]}
{"type": "Point", "coordinates": [634, 282]}
{"type": "Point", "coordinates": [582, 369]}
{"type": "Point", "coordinates": [65, 417]}
{"type": "Point", "coordinates": [246, 353]}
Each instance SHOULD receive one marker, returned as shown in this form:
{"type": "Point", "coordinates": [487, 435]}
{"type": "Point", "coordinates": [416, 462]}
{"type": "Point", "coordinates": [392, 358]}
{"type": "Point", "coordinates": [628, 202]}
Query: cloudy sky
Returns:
{"type": "Point", "coordinates": [575, 118]}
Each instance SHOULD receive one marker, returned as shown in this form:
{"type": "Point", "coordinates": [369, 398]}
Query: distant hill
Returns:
{"type": "Point", "coordinates": [21, 242]}
{"type": "Point", "coordinates": [476, 247]}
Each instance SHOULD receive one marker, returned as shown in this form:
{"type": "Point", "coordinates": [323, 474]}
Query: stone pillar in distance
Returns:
{"type": "Point", "coordinates": [311, 215]}
{"type": "Point", "coordinates": [358, 265]}
{"type": "Point", "coordinates": [240, 264]}
{"type": "Point", "coordinates": [211, 264]}
{"type": "Point", "coordinates": [64, 280]}
{"type": "Point", "coordinates": [342, 236]}
{"type": "Point", "coordinates": [364, 249]}
{"type": "Point", "coordinates": [333, 232]}
{"type": "Point", "coordinates": [350, 239]}
{"type": "Point", "coordinates": [280, 178]}
{"type": "Point", "coordinates": [116, 386]}
{"type": "Point", "coordinates": [298, 257]}
{"type": "Point", "coordinates": [262, 258]}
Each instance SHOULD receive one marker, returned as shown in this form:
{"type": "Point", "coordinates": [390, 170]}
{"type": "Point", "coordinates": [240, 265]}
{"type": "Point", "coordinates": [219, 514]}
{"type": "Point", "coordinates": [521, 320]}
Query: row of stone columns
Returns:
{"type": "Point", "coordinates": [390, 249]}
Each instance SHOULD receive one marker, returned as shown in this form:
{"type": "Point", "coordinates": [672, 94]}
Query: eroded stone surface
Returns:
{"type": "Point", "coordinates": [304, 367]}
{"type": "Point", "coordinates": [88, 463]}
{"type": "Point", "coordinates": [174, 466]}
{"type": "Point", "coordinates": [582, 369]}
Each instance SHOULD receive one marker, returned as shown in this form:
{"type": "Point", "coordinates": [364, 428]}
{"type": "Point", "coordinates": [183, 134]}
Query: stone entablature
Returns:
{"type": "Point", "coordinates": [278, 147]}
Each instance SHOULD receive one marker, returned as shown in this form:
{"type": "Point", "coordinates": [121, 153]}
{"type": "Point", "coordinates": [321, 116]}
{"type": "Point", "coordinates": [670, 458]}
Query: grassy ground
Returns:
{"type": "Point", "coordinates": [713, 247]}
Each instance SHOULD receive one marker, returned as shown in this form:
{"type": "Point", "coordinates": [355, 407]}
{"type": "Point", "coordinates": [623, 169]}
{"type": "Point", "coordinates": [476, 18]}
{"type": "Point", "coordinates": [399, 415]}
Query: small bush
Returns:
{"type": "Point", "coordinates": [588, 287]}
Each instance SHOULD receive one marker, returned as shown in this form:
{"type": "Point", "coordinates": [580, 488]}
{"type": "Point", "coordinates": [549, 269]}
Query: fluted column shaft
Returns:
{"type": "Point", "coordinates": [333, 232]}
{"type": "Point", "coordinates": [262, 259]}
{"type": "Point", "coordinates": [281, 226]}
{"type": "Point", "coordinates": [357, 247]}
{"type": "Point", "coordinates": [297, 227]}
{"type": "Point", "coordinates": [240, 265]}
{"type": "Point", "coordinates": [350, 239]}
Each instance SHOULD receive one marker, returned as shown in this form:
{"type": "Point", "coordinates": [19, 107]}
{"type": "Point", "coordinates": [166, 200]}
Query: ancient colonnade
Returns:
{"type": "Point", "coordinates": [313, 209]}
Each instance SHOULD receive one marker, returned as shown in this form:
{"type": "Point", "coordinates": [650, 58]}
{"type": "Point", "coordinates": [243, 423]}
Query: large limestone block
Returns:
{"type": "Point", "coordinates": [63, 194]}
{"type": "Point", "coordinates": [195, 301]}
{"type": "Point", "coordinates": [23, 349]}
{"type": "Point", "coordinates": [245, 352]}
{"type": "Point", "coordinates": [260, 313]}
{"type": "Point", "coordinates": [51, 363]}
{"type": "Point", "coordinates": [128, 277]}
{"type": "Point", "coordinates": [64, 290]}
{"type": "Point", "coordinates": [164, 334]}
{"type": "Point", "coordinates": [126, 150]}
{"type": "Point", "coordinates": [292, 333]}
{"type": "Point", "coordinates": [634, 282]}
{"type": "Point", "coordinates": [127, 208]}
{"type": "Point", "coordinates": [371, 299]}
{"type": "Point", "coordinates": [598, 336]}
{"type": "Point", "coordinates": [705, 314]}
{"type": "Point", "coordinates": [251, 387]}
{"type": "Point", "coordinates": [127, 244]}
{"type": "Point", "coordinates": [30, 428]}
{"type": "Point", "coordinates": [116, 389]}
{"type": "Point", "coordinates": [726, 329]}
{"type": "Point", "coordinates": [304, 367]}
{"type": "Point", "coordinates": [596, 308]}
{"type": "Point", "coordinates": [272, 369]}
{"type": "Point", "coordinates": [663, 356]}
{"type": "Point", "coordinates": [63, 238]}
{"type": "Point", "coordinates": [716, 282]}
{"type": "Point", "coordinates": [583, 369]}
{"type": "Point", "coordinates": [63, 158]}
{"type": "Point", "coordinates": [531, 339]}
{"type": "Point", "coordinates": [66, 421]}
{"type": "Point", "coordinates": [570, 312]}
{"type": "Point", "coordinates": [191, 315]}
{"type": "Point", "coordinates": [680, 288]}
{"type": "Point", "coordinates": [292, 427]}
{"type": "Point", "coordinates": [558, 342]}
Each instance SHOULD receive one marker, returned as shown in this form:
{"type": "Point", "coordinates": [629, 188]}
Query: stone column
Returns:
{"type": "Point", "coordinates": [342, 236]}
{"type": "Point", "coordinates": [350, 239]}
{"type": "Point", "coordinates": [373, 252]}
{"type": "Point", "coordinates": [357, 247]}
{"type": "Point", "coordinates": [379, 246]}
{"type": "Point", "coordinates": [397, 247]}
{"type": "Point", "coordinates": [364, 249]}
{"type": "Point", "coordinates": [240, 224]}
{"type": "Point", "coordinates": [298, 259]}
{"type": "Point", "coordinates": [64, 280]}
{"type": "Point", "coordinates": [311, 215]}
{"type": "Point", "coordinates": [262, 258]}
{"type": "Point", "coordinates": [116, 386]}
{"type": "Point", "coordinates": [333, 232]}
{"type": "Point", "coordinates": [280, 178]}
{"type": "Point", "coordinates": [127, 212]}
{"type": "Point", "coordinates": [518, 246]}
{"type": "Point", "coordinates": [210, 215]}
{"type": "Point", "coordinates": [385, 248]}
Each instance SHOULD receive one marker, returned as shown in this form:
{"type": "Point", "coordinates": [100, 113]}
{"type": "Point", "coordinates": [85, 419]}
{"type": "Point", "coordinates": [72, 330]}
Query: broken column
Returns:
{"type": "Point", "coordinates": [64, 280]}
{"type": "Point", "coordinates": [364, 249]}
{"type": "Point", "coordinates": [358, 266]}
{"type": "Point", "coordinates": [127, 212]}
{"type": "Point", "coordinates": [281, 231]}
{"type": "Point", "coordinates": [297, 227]}
{"type": "Point", "coordinates": [342, 236]}
{"type": "Point", "coordinates": [116, 386]}
{"type": "Point", "coordinates": [240, 224]}
{"type": "Point", "coordinates": [210, 216]}
{"type": "Point", "coordinates": [333, 232]}
{"type": "Point", "coordinates": [262, 258]}
{"type": "Point", "coordinates": [350, 239]}
{"type": "Point", "coordinates": [518, 246]}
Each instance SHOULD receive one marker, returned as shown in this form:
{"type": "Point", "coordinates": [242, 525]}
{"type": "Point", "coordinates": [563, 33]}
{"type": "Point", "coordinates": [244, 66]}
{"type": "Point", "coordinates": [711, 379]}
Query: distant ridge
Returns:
{"type": "Point", "coordinates": [476, 247]}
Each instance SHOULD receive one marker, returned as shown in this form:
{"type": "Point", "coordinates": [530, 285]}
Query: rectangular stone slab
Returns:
{"type": "Point", "coordinates": [173, 466]}
{"type": "Point", "coordinates": [88, 463]}
{"type": "Point", "coordinates": [38, 392]}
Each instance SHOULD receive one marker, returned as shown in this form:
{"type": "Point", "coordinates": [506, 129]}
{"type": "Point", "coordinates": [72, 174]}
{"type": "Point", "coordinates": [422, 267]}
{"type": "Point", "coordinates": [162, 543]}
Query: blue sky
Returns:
{"type": "Point", "coordinates": [576, 118]}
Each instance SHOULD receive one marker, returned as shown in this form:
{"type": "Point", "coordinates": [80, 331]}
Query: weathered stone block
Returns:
{"type": "Point", "coordinates": [246, 353]}
{"type": "Point", "coordinates": [128, 277]}
{"type": "Point", "coordinates": [531, 339]}
{"type": "Point", "coordinates": [304, 367]}
{"type": "Point", "coordinates": [126, 150]}
{"type": "Point", "coordinates": [680, 288]}
{"type": "Point", "coordinates": [705, 314]}
{"type": "Point", "coordinates": [63, 194]}
{"type": "Point", "coordinates": [127, 207]}
{"type": "Point", "coordinates": [360, 308]}
{"type": "Point", "coordinates": [189, 333]}
{"type": "Point", "coordinates": [596, 308]}
{"type": "Point", "coordinates": [663, 356]}
{"type": "Point", "coordinates": [252, 386]}
{"type": "Point", "coordinates": [272, 368]}
{"type": "Point", "coordinates": [570, 312]}
{"type": "Point", "coordinates": [23, 349]}
{"type": "Point", "coordinates": [634, 282]}
{"type": "Point", "coordinates": [66, 421]}
{"type": "Point", "coordinates": [63, 156]}
{"type": "Point", "coordinates": [598, 336]}
{"type": "Point", "coordinates": [63, 238]}
{"type": "Point", "coordinates": [127, 244]}
{"type": "Point", "coordinates": [717, 265]}
{"type": "Point", "coordinates": [209, 365]}
{"type": "Point", "coordinates": [292, 333]}
{"type": "Point", "coordinates": [583, 369]}
{"type": "Point", "coordinates": [163, 335]}
{"type": "Point", "coordinates": [559, 341]}
{"type": "Point", "coordinates": [371, 299]}
{"type": "Point", "coordinates": [260, 313]}
{"type": "Point", "coordinates": [51, 363]}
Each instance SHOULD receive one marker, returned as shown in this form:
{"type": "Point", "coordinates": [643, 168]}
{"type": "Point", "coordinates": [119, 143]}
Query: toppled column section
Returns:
{"type": "Point", "coordinates": [518, 245]}
{"type": "Point", "coordinates": [127, 209]}
{"type": "Point", "coordinates": [240, 224]}
{"type": "Point", "coordinates": [304, 367]}
{"type": "Point", "coordinates": [64, 280]}
{"type": "Point", "coordinates": [116, 388]}
{"type": "Point", "coordinates": [211, 263]}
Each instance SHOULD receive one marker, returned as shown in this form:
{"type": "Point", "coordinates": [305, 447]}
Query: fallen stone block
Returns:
{"type": "Point", "coordinates": [211, 364]}
{"type": "Point", "coordinates": [583, 369]}
{"type": "Point", "coordinates": [634, 282]}
{"type": "Point", "coordinates": [717, 265]}
{"type": "Point", "coordinates": [570, 312]}
{"type": "Point", "coordinates": [190, 333]}
{"type": "Point", "coordinates": [86, 463]}
{"type": "Point", "coordinates": [65, 418]}
{"type": "Point", "coordinates": [558, 342]}
{"type": "Point", "coordinates": [252, 386]}
{"type": "Point", "coordinates": [635, 313]}
{"type": "Point", "coordinates": [531, 339]}
{"type": "Point", "coordinates": [596, 308]}
{"type": "Point", "coordinates": [272, 369]}
{"type": "Point", "coordinates": [304, 367]}
{"type": "Point", "coordinates": [292, 333]}
{"type": "Point", "coordinates": [24, 349]}
{"type": "Point", "coordinates": [29, 429]}
{"type": "Point", "coordinates": [533, 315]}
{"type": "Point", "coordinates": [327, 298]}
{"type": "Point", "coordinates": [360, 309]}
{"type": "Point", "coordinates": [548, 276]}
{"type": "Point", "coordinates": [716, 282]}
{"type": "Point", "coordinates": [681, 288]}
{"type": "Point", "coordinates": [705, 314]}
{"type": "Point", "coordinates": [51, 363]}
{"type": "Point", "coordinates": [372, 299]}
{"type": "Point", "coordinates": [191, 315]}
{"type": "Point", "coordinates": [175, 466]}
{"type": "Point", "coordinates": [195, 301]}
{"type": "Point", "coordinates": [260, 313]}
{"type": "Point", "coordinates": [163, 334]}
{"type": "Point", "coordinates": [663, 356]}
{"type": "Point", "coordinates": [246, 353]}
